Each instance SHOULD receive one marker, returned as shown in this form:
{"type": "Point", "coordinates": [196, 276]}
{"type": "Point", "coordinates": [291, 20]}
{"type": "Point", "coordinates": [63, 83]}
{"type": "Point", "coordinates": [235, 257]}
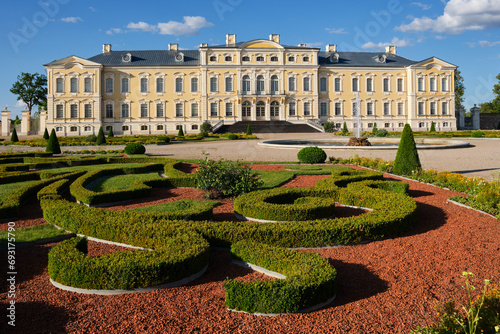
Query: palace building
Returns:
{"type": "Point", "coordinates": [158, 91]}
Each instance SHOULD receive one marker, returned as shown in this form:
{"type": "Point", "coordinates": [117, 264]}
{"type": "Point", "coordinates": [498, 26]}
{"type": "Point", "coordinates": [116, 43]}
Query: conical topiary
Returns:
{"type": "Point", "coordinates": [53, 143]}
{"type": "Point", "coordinates": [407, 160]}
{"type": "Point", "coordinates": [433, 127]}
{"type": "Point", "coordinates": [249, 130]}
{"type": "Point", "coordinates": [344, 130]}
{"type": "Point", "coordinates": [181, 132]}
{"type": "Point", "coordinates": [46, 134]}
{"type": "Point", "coordinates": [101, 140]}
{"type": "Point", "coordinates": [13, 137]}
{"type": "Point", "coordinates": [110, 133]}
{"type": "Point", "coordinates": [374, 130]}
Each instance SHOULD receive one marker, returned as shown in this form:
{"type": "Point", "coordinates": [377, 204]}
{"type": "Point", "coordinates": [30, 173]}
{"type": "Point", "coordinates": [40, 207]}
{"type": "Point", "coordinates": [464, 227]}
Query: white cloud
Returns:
{"type": "Point", "coordinates": [315, 44]}
{"type": "Point", "coordinates": [381, 46]}
{"type": "Point", "coordinates": [20, 104]}
{"type": "Point", "coordinates": [440, 37]}
{"type": "Point", "coordinates": [421, 5]}
{"type": "Point", "coordinates": [190, 26]}
{"type": "Point", "coordinates": [72, 19]}
{"type": "Point", "coordinates": [459, 16]}
{"type": "Point", "coordinates": [141, 26]}
{"type": "Point", "coordinates": [471, 44]}
{"type": "Point", "coordinates": [92, 9]}
{"type": "Point", "coordinates": [487, 44]}
{"type": "Point", "coordinates": [336, 31]}
{"type": "Point", "coordinates": [114, 31]}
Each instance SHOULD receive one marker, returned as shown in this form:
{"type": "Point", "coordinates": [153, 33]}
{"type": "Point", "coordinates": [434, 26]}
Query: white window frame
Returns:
{"type": "Point", "coordinates": [141, 105]}
{"type": "Point", "coordinates": [73, 78]}
{"type": "Point", "coordinates": [193, 84]}
{"type": "Point", "coordinates": [60, 77]}
{"type": "Point", "coordinates": [370, 108]}
{"type": "Point", "coordinates": [339, 78]}
{"type": "Point", "coordinates": [323, 111]}
{"type": "Point", "coordinates": [421, 83]}
{"type": "Point", "coordinates": [401, 111]}
{"type": "Point", "coordinates": [109, 78]}
{"type": "Point", "coordinates": [423, 104]}
{"type": "Point", "coordinates": [294, 80]}
{"type": "Point", "coordinates": [91, 79]}
{"type": "Point", "coordinates": [402, 80]}
{"type": "Point", "coordinates": [122, 105]}
{"type": "Point", "coordinates": [214, 109]}
{"type": "Point", "coordinates": [274, 85]}
{"type": "Point", "coordinates": [73, 107]}
{"type": "Point", "coordinates": [112, 109]}
{"type": "Point", "coordinates": [340, 105]}
{"type": "Point", "coordinates": [162, 78]}
{"type": "Point", "coordinates": [229, 108]}
{"type": "Point", "coordinates": [358, 88]}
{"type": "Point", "coordinates": [122, 88]}
{"type": "Point", "coordinates": [179, 109]}
{"type": "Point", "coordinates": [308, 78]}
{"type": "Point", "coordinates": [162, 105]}
{"type": "Point", "coordinates": [246, 84]}
{"type": "Point", "coordinates": [306, 107]}
{"type": "Point", "coordinates": [60, 113]}
{"type": "Point", "coordinates": [193, 114]}
{"type": "Point", "coordinates": [89, 105]}
{"type": "Point", "coordinates": [213, 83]}
{"type": "Point", "coordinates": [387, 108]}
{"type": "Point", "coordinates": [433, 87]}
{"type": "Point", "coordinates": [292, 111]}
{"type": "Point", "coordinates": [230, 87]}
{"type": "Point", "coordinates": [445, 106]}
{"type": "Point", "coordinates": [433, 111]}
{"type": "Point", "coordinates": [370, 87]}
{"type": "Point", "coordinates": [323, 84]}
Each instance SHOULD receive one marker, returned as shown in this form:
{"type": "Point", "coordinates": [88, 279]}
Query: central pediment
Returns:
{"type": "Point", "coordinates": [261, 44]}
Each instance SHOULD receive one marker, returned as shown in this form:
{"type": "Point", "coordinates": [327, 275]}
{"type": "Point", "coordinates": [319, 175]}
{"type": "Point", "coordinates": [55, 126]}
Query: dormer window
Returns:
{"type": "Point", "coordinates": [381, 58]}
{"type": "Point", "coordinates": [245, 58]}
{"type": "Point", "coordinates": [228, 58]}
{"type": "Point", "coordinates": [126, 57]}
{"type": "Point", "coordinates": [274, 58]}
{"type": "Point", "coordinates": [291, 58]}
{"type": "Point", "coordinates": [213, 58]}
{"type": "Point", "coordinates": [260, 58]}
{"type": "Point", "coordinates": [305, 59]}
{"type": "Point", "coordinates": [334, 58]}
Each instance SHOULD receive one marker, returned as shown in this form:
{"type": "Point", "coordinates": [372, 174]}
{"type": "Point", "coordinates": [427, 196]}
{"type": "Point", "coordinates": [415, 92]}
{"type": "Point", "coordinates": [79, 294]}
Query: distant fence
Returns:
{"type": "Point", "coordinates": [490, 121]}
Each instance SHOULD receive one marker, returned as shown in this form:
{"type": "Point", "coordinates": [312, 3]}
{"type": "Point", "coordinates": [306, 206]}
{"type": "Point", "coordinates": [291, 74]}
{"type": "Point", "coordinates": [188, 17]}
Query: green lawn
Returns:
{"type": "Point", "coordinates": [173, 206]}
{"type": "Point", "coordinates": [29, 234]}
{"type": "Point", "coordinates": [89, 167]}
{"type": "Point", "coordinates": [120, 182]}
{"type": "Point", "coordinates": [7, 189]}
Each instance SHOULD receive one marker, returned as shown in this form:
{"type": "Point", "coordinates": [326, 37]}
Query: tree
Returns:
{"type": "Point", "coordinates": [53, 143]}
{"type": "Point", "coordinates": [407, 160]}
{"type": "Point", "coordinates": [13, 137]}
{"type": "Point", "coordinates": [110, 133]}
{"type": "Point", "coordinates": [459, 89]}
{"type": "Point", "coordinates": [249, 130]}
{"type": "Point", "coordinates": [46, 134]}
{"type": "Point", "coordinates": [31, 89]}
{"type": "Point", "coordinates": [181, 132]}
{"type": "Point", "coordinates": [345, 132]}
{"type": "Point", "coordinates": [433, 127]}
{"type": "Point", "coordinates": [493, 106]}
{"type": "Point", "coordinates": [101, 140]}
{"type": "Point", "coordinates": [374, 130]}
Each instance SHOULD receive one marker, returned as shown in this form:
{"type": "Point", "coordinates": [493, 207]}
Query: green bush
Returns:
{"type": "Point", "coordinates": [46, 134]}
{"type": "Point", "coordinates": [181, 132]}
{"type": "Point", "coordinates": [249, 130]}
{"type": "Point", "coordinates": [206, 127]}
{"type": "Point", "coordinates": [433, 127]}
{"type": "Point", "coordinates": [223, 178]}
{"type": "Point", "coordinates": [311, 155]}
{"type": "Point", "coordinates": [382, 133]}
{"type": "Point", "coordinates": [110, 133]}
{"type": "Point", "coordinates": [134, 148]}
{"type": "Point", "coordinates": [202, 134]}
{"type": "Point", "coordinates": [164, 139]}
{"type": "Point", "coordinates": [329, 126]}
{"type": "Point", "coordinates": [13, 137]}
{"type": "Point", "coordinates": [90, 139]}
{"type": "Point", "coordinates": [345, 132]}
{"type": "Point", "coordinates": [375, 129]}
{"type": "Point", "coordinates": [53, 143]}
{"type": "Point", "coordinates": [407, 160]}
{"type": "Point", "coordinates": [101, 140]}
{"type": "Point", "coordinates": [477, 134]}
{"type": "Point", "coordinates": [232, 136]}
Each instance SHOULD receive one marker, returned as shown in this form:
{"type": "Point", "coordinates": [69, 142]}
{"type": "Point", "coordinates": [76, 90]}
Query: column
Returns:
{"type": "Point", "coordinates": [43, 121]}
{"type": "Point", "coordinates": [25, 122]}
{"type": "Point", "coordinates": [5, 122]}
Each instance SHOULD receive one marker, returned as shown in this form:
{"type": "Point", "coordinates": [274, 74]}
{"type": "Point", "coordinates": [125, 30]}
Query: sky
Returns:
{"type": "Point", "coordinates": [465, 33]}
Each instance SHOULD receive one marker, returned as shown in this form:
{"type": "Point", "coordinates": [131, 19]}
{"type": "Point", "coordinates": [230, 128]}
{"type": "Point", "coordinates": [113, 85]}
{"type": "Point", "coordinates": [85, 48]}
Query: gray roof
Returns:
{"type": "Point", "coordinates": [365, 59]}
{"type": "Point", "coordinates": [147, 58]}
{"type": "Point", "coordinates": [240, 44]}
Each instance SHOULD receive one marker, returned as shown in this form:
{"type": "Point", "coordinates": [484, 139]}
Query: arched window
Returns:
{"type": "Point", "coordinates": [245, 84]}
{"type": "Point", "coordinates": [245, 58]}
{"type": "Point", "coordinates": [259, 58]}
{"type": "Point", "coordinates": [261, 109]}
{"type": "Point", "coordinates": [274, 84]}
{"type": "Point", "coordinates": [275, 109]}
{"type": "Point", "coordinates": [246, 109]}
{"type": "Point", "coordinates": [260, 84]}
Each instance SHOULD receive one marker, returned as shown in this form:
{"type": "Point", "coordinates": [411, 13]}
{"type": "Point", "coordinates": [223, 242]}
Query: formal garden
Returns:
{"type": "Point", "coordinates": [124, 242]}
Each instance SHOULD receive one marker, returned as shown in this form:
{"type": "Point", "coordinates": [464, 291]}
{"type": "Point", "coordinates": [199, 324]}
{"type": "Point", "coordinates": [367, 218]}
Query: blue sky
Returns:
{"type": "Point", "coordinates": [463, 32]}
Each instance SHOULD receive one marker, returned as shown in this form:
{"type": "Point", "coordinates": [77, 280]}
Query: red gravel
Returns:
{"type": "Point", "coordinates": [386, 286]}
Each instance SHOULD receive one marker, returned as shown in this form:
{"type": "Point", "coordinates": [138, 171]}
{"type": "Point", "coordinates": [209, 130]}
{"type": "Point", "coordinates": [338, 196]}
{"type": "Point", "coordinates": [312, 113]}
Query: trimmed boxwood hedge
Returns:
{"type": "Point", "coordinates": [310, 280]}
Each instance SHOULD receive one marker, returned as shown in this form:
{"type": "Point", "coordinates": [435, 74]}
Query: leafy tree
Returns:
{"type": "Point", "coordinates": [493, 106]}
{"type": "Point", "coordinates": [459, 89]}
{"type": "Point", "coordinates": [53, 143]}
{"type": "Point", "coordinates": [31, 89]}
{"type": "Point", "coordinates": [13, 137]}
{"type": "Point", "coordinates": [46, 134]}
{"type": "Point", "coordinates": [16, 121]}
{"type": "Point", "coordinates": [407, 160]}
{"type": "Point", "coordinates": [101, 140]}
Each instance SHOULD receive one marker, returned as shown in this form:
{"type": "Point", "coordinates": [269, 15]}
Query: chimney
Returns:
{"type": "Point", "coordinates": [390, 49]}
{"type": "Point", "coordinates": [331, 48]}
{"type": "Point", "coordinates": [106, 48]}
{"type": "Point", "coordinates": [302, 44]}
{"type": "Point", "coordinates": [173, 47]}
{"type": "Point", "coordinates": [274, 38]}
{"type": "Point", "coordinates": [231, 39]}
{"type": "Point", "coordinates": [204, 45]}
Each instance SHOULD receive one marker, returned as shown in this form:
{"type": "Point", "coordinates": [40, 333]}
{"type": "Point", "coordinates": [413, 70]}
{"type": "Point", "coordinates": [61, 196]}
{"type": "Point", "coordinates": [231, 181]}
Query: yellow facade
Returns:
{"type": "Point", "coordinates": [156, 92]}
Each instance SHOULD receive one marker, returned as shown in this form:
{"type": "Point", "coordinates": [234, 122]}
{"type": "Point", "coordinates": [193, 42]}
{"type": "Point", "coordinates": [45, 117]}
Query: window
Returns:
{"type": "Point", "coordinates": [259, 58]}
{"type": "Point", "coordinates": [369, 85]}
{"type": "Point", "coordinates": [59, 85]}
{"type": "Point", "coordinates": [387, 125]}
{"type": "Point", "coordinates": [144, 128]}
{"type": "Point", "coordinates": [307, 84]}
{"type": "Point", "coordinates": [59, 111]}
{"type": "Point", "coordinates": [433, 108]}
{"type": "Point", "coordinates": [109, 111]}
{"type": "Point", "coordinates": [245, 58]}
{"type": "Point", "coordinates": [87, 85]}
{"type": "Point", "coordinates": [125, 128]}
{"type": "Point", "coordinates": [386, 84]}
{"type": "Point", "coordinates": [401, 125]}
{"type": "Point", "coordinates": [338, 88]}
{"type": "Point", "coordinates": [421, 87]}
{"type": "Point", "coordinates": [125, 111]}
{"type": "Point", "coordinates": [444, 84]}
{"type": "Point", "coordinates": [260, 109]}
{"type": "Point", "coordinates": [73, 129]}
{"type": "Point", "coordinates": [74, 85]}
{"type": "Point", "coordinates": [179, 110]}
{"type": "Point", "coordinates": [260, 84]}
{"type": "Point", "coordinates": [445, 124]}
{"type": "Point", "coordinates": [421, 108]}
{"type": "Point", "coordinates": [400, 84]}
{"type": "Point", "coordinates": [323, 84]}
{"type": "Point", "coordinates": [109, 85]}
{"type": "Point", "coordinates": [274, 58]}
{"type": "Point", "coordinates": [291, 58]}
{"type": "Point", "coordinates": [213, 84]}
{"type": "Point", "coordinates": [160, 110]}
{"type": "Point", "coordinates": [214, 109]}
{"type": "Point", "coordinates": [88, 110]}
{"type": "Point", "coordinates": [387, 108]}
{"type": "Point", "coordinates": [246, 109]}
{"type": "Point", "coordinates": [194, 109]}
{"type": "Point", "coordinates": [421, 124]}
{"type": "Point", "coordinates": [59, 128]}
{"type": "Point", "coordinates": [401, 108]}
{"type": "Point", "coordinates": [355, 84]}
{"type": "Point", "coordinates": [74, 111]}
{"type": "Point", "coordinates": [87, 128]}
{"type": "Point", "coordinates": [338, 108]}
{"type": "Point", "coordinates": [229, 84]}
{"type": "Point", "coordinates": [178, 85]}
{"type": "Point", "coordinates": [213, 58]}
{"type": "Point", "coordinates": [144, 110]}
{"type": "Point", "coordinates": [125, 86]}
{"type": "Point", "coordinates": [159, 85]}
{"type": "Point", "coordinates": [307, 108]}
{"type": "Point", "coordinates": [194, 127]}
{"type": "Point", "coordinates": [274, 109]}
{"type": "Point", "coordinates": [245, 84]}
{"type": "Point", "coordinates": [109, 128]}
{"type": "Point", "coordinates": [159, 127]}
{"type": "Point", "coordinates": [432, 84]}
{"type": "Point", "coordinates": [274, 84]}
{"type": "Point", "coordinates": [370, 125]}
{"type": "Point", "coordinates": [291, 109]}
{"type": "Point", "coordinates": [194, 85]}
{"type": "Point", "coordinates": [305, 59]}
{"type": "Point", "coordinates": [228, 58]}
{"type": "Point", "coordinates": [291, 84]}
{"type": "Point", "coordinates": [444, 108]}
{"type": "Point", "coordinates": [323, 109]}
{"type": "Point", "coordinates": [229, 109]}
{"type": "Point", "coordinates": [369, 109]}
{"type": "Point", "coordinates": [144, 85]}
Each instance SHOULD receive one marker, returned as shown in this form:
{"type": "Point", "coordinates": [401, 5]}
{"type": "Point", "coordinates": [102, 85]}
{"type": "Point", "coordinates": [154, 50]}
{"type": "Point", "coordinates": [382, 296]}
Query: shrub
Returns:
{"type": "Point", "coordinates": [202, 134]}
{"type": "Point", "coordinates": [110, 133]}
{"type": "Point", "coordinates": [46, 134]}
{"type": "Point", "coordinates": [328, 126]}
{"type": "Point", "coordinates": [433, 127]}
{"type": "Point", "coordinates": [311, 155]}
{"type": "Point", "coordinates": [222, 178]}
{"type": "Point", "coordinates": [407, 160]}
{"type": "Point", "coordinates": [381, 133]}
{"type": "Point", "coordinates": [249, 130]}
{"type": "Point", "coordinates": [134, 148]}
{"type": "Point", "coordinates": [345, 132]}
{"type": "Point", "coordinates": [375, 129]}
{"type": "Point", "coordinates": [13, 137]}
{"type": "Point", "coordinates": [232, 136]}
{"type": "Point", "coordinates": [181, 132]}
{"type": "Point", "coordinates": [90, 139]}
{"type": "Point", "coordinates": [477, 134]}
{"type": "Point", "coordinates": [101, 140]}
{"type": "Point", "coordinates": [206, 127]}
{"type": "Point", "coordinates": [53, 143]}
{"type": "Point", "coordinates": [164, 139]}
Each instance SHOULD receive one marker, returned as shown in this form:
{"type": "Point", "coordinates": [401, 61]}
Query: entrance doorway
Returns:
{"type": "Point", "coordinates": [246, 111]}
{"type": "Point", "coordinates": [261, 110]}
{"type": "Point", "coordinates": [275, 110]}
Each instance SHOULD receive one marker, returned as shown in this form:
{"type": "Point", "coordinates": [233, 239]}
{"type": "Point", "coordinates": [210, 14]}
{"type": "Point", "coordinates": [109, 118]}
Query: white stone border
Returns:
{"type": "Point", "coordinates": [182, 282]}
{"type": "Point", "coordinates": [471, 208]}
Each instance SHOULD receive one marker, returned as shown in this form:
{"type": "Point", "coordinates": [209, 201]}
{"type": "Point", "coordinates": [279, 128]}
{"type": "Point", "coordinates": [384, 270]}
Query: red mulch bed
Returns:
{"type": "Point", "coordinates": [385, 286]}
